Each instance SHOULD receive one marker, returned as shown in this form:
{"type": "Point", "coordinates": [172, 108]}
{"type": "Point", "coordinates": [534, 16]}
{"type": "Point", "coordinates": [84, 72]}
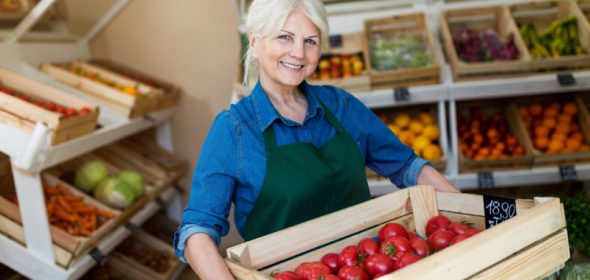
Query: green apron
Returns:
{"type": "Point", "coordinates": [303, 182]}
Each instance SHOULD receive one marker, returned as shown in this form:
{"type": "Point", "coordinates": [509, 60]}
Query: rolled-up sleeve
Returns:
{"type": "Point", "coordinates": [212, 186]}
{"type": "Point", "coordinates": [385, 153]}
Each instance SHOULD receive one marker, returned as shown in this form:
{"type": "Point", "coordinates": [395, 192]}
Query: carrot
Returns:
{"type": "Point", "coordinates": [105, 213]}
{"type": "Point", "coordinates": [64, 204]}
{"type": "Point", "coordinates": [84, 232]}
{"type": "Point", "coordinates": [62, 189]}
{"type": "Point", "coordinates": [60, 213]}
{"type": "Point", "coordinates": [84, 209]}
{"type": "Point", "coordinates": [50, 190]}
{"type": "Point", "coordinates": [70, 198]}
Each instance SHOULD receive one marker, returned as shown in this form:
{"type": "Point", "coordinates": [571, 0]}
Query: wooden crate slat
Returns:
{"type": "Point", "coordinates": [272, 248]}
{"type": "Point", "coordinates": [424, 206]}
{"type": "Point", "coordinates": [536, 262]}
{"type": "Point", "coordinates": [490, 246]}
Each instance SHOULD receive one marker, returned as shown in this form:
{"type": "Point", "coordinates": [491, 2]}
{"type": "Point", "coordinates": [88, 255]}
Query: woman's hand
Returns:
{"type": "Point", "coordinates": [429, 176]}
{"type": "Point", "coordinates": [202, 255]}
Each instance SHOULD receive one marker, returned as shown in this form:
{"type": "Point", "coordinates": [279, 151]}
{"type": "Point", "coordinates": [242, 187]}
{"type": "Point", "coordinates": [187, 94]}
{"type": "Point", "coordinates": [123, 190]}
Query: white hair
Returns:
{"type": "Point", "coordinates": [267, 18]}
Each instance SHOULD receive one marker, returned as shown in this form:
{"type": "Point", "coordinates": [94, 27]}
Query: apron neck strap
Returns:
{"type": "Point", "coordinates": [269, 134]}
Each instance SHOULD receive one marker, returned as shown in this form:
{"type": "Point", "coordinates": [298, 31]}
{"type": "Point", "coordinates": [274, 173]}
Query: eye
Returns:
{"type": "Point", "coordinates": [284, 37]}
{"type": "Point", "coordinates": [311, 42]}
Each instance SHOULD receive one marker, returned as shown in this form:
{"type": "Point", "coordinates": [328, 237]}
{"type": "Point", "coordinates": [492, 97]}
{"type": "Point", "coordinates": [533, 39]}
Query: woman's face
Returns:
{"type": "Point", "coordinates": [288, 58]}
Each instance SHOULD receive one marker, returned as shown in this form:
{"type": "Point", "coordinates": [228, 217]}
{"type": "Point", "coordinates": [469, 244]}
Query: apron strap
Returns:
{"type": "Point", "coordinates": [271, 140]}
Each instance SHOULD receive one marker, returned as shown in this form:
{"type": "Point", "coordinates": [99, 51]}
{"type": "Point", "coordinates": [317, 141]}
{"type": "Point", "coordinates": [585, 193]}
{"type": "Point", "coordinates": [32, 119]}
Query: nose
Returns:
{"type": "Point", "coordinates": [297, 51]}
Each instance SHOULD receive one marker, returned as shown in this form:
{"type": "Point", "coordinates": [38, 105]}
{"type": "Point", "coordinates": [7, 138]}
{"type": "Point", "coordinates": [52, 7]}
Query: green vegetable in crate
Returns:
{"type": "Point", "coordinates": [408, 51]}
{"type": "Point", "coordinates": [90, 174]}
{"type": "Point", "coordinates": [560, 39]}
{"type": "Point", "coordinates": [115, 193]}
{"type": "Point", "coordinates": [134, 180]}
{"type": "Point", "coordinates": [578, 221]}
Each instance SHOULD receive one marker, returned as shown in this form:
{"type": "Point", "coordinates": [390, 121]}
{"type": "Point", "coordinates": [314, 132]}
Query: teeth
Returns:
{"type": "Point", "coordinates": [292, 66]}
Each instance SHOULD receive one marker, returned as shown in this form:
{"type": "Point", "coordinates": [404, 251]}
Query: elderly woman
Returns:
{"type": "Point", "coordinates": [290, 151]}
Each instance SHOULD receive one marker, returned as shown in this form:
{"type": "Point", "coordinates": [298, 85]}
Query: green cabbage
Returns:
{"type": "Point", "coordinates": [90, 174]}
{"type": "Point", "coordinates": [134, 180]}
{"type": "Point", "coordinates": [115, 193]}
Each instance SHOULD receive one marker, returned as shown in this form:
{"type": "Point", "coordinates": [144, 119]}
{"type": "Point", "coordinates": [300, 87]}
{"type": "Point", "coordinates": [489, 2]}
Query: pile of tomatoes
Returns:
{"type": "Point", "coordinates": [62, 110]}
{"type": "Point", "coordinates": [393, 249]}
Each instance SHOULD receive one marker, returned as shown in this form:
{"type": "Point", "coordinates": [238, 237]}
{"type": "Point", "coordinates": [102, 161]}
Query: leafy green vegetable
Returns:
{"type": "Point", "coordinates": [115, 193]}
{"type": "Point", "coordinates": [134, 180]}
{"type": "Point", "coordinates": [577, 215]}
{"type": "Point", "coordinates": [89, 175]}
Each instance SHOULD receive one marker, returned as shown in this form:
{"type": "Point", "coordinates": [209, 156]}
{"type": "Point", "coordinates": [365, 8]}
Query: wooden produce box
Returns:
{"type": "Point", "coordinates": [401, 25]}
{"type": "Point", "coordinates": [352, 43]}
{"type": "Point", "coordinates": [126, 104]}
{"type": "Point", "coordinates": [544, 159]}
{"type": "Point", "coordinates": [16, 111]}
{"type": "Point", "coordinates": [14, 10]}
{"type": "Point", "coordinates": [495, 18]}
{"type": "Point", "coordinates": [170, 95]}
{"type": "Point", "coordinates": [469, 164]}
{"type": "Point", "coordinates": [542, 15]}
{"type": "Point", "coordinates": [65, 245]}
{"type": "Point", "coordinates": [530, 245]}
{"type": "Point", "coordinates": [143, 245]}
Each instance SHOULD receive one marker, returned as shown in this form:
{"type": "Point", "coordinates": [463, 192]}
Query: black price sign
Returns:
{"type": "Point", "coordinates": [98, 256]}
{"type": "Point", "coordinates": [401, 94]}
{"type": "Point", "coordinates": [566, 79]}
{"type": "Point", "coordinates": [485, 180]}
{"type": "Point", "coordinates": [498, 209]}
{"type": "Point", "coordinates": [335, 41]}
{"type": "Point", "coordinates": [568, 173]}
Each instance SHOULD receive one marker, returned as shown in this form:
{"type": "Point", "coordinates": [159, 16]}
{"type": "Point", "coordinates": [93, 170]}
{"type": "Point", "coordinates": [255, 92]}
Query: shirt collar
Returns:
{"type": "Point", "coordinates": [266, 114]}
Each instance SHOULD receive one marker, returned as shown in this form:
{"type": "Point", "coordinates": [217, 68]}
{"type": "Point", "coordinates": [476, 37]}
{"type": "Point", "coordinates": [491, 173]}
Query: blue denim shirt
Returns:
{"type": "Point", "coordinates": [232, 163]}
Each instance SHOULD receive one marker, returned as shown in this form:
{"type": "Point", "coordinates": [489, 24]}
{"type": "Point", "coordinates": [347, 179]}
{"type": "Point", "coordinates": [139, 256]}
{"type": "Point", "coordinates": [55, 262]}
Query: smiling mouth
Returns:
{"type": "Point", "coordinates": [292, 66]}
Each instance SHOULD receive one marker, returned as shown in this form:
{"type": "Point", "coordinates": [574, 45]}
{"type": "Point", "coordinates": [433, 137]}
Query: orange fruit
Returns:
{"type": "Point", "coordinates": [492, 134]}
{"type": "Point", "coordinates": [484, 152]}
{"type": "Point", "coordinates": [416, 126]}
{"type": "Point", "coordinates": [550, 113]}
{"type": "Point", "coordinates": [549, 123]}
{"type": "Point", "coordinates": [559, 137]}
{"type": "Point", "coordinates": [407, 137]}
{"type": "Point", "coordinates": [541, 131]}
{"type": "Point", "coordinates": [573, 144]}
{"type": "Point", "coordinates": [541, 143]}
{"type": "Point", "coordinates": [432, 132]}
{"type": "Point", "coordinates": [511, 141]}
{"type": "Point", "coordinates": [570, 108]}
{"type": "Point", "coordinates": [555, 147]}
{"type": "Point", "coordinates": [500, 147]}
{"type": "Point", "coordinates": [475, 146]}
{"type": "Point", "coordinates": [426, 118]}
{"type": "Point", "coordinates": [477, 138]}
{"type": "Point", "coordinates": [563, 129]}
{"type": "Point", "coordinates": [479, 157]}
{"type": "Point", "coordinates": [469, 153]}
{"type": "Point", "coordinates": [564, 118]}
{"type": "Point", "coordinates": [402, 120]}
{"type": "Point", "coordinates": [496, 154]}
{"type": "Point", "coordinates": [536, 109]}
{"type": "Point", "coordinates": [577, 136]}
{"type": "Point", "coordinates": [519, 150]}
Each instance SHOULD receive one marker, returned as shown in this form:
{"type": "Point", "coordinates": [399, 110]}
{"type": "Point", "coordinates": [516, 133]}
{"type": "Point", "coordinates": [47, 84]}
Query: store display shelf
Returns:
{"type": "Point", "coordinates": [530, 85]}
{"type": "Point", "coordinates": [416, 95]}
{"type": "Point", "coordinates": [20, 144]}
{"type": "Point", "coordinates": [18, 257]}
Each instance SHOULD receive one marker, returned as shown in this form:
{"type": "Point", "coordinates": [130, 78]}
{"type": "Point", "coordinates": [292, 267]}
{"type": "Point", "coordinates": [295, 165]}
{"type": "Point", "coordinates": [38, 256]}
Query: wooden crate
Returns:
{"type": "Point", "coordinates": [467, 164]}
{"type": "Point", "coordinates": [66, 247]}
{"type": "Point", "coordinates": [122, 103]}
{"type": "Point", "coordinates": [24, 115]}
{"type": "Point", "coordinates": [542, 14]}
{"type": "Point", "coordinates": [495, 18]}
{"type": "Point", "coordinates": [352, 43]}
{"type": "Point", "coordinates": [540, 158]}
{"type": "Point", "coordinates": [20, 11]}
{"type": "Point", "coordinates": [137, 271]}
{"type": "Point", "coordinates": [530, 245]}
{"type": "Point", "coordinates": [170, 95]}
{"type": "Point", "coordinates": [408, 24]}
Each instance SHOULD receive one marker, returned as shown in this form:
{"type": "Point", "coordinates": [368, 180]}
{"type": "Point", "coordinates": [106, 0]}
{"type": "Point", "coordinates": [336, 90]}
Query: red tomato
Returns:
{"type": "Point", "coordinates": [328, 277]}
{"type": "Point", "coordinates": [350, 249]}
{"type": "Point", "coordinates": [440, 239]}
{"type": "Point", "coordinates": [352, 273]}
{"type": "Point", "coordinates": [70, 112]}
{"type": "Point", "coordinates": [331, 261]}
{"type": "Point", "coordinates": [411, 235]}
{"type": "Point", "coordinates": [420, 246]}
{"type": "Point", "coordinates": [392, 229]}
{"type": "Point", "coordinates": [395, 246]}
{"type": "Point", "coordinates": [379, 264]}
{"type": "Point", "coordinates": [368, 247]}
{"type": "Point", "coordinates": [458, 228]}
{"type": "Point", "coordinates": [6, 90]}
{"type": "Point", "coordinates": [458, 238]}
{"type": "Point", "coordinates": [84, 111]}
{"type": "Point", "coordinates": [348, 259]}
{"type": "Point", "coordinates": [312, 270]}
{"type": "Point", "coordinates": [472, 231]}
{"type": "Point", "coordinates": [435, 223]}
{"type": "Point", "coordinates": [286, 275]}
{"type": "Point", "coordinates": [405, 260]}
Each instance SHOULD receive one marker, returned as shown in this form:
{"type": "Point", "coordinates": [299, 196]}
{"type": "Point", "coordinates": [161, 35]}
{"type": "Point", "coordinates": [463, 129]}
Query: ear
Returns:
{"type": "Point", "coordinates": [252, 40]}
